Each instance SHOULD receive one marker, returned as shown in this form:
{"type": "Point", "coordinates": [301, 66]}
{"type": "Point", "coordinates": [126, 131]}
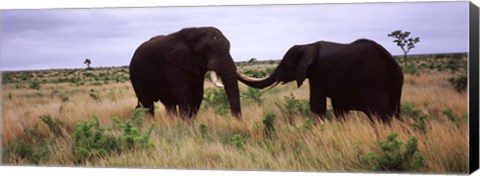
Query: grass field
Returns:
{"type": "Point", "coordinates": [48, 119]}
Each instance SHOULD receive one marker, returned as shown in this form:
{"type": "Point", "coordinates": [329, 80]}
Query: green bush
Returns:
{"type": "Point", "coordinates": [268, 125]}
{"type": "Point", "coordinates": [308, 123]}
{"type": "Point", "coordinates": [54, 125]}
{"type": "Point", "coordinates": [419, 118]}
{"type": "Point", "coordinates": [420, 124]}
{"type": "Point", "coordinates": [204, 131]}
{"type": "Point", "coordinates": [238, 141]}
{"type": "Point", "coordinates": [294, 107]}
{"type": "Point", "coordinates": [32, 152]}
{"type": "Point", "coordinates": [459, 82]}
{"type": "Point", "coordinates": [449, 113]}
{"type": "Point", "coordinates": [259, 73]}
{"type": "Point", "coordinates": [410, 69]}
{"type": "Point", "coordinates": [63, 97]}
{"type": "Point", "coordinates": [409, 109]}
{"type": "Point", "coordinates": [132, 135]}
{"type": "Point", "coordinates": [94, 95]}
{"type": "Point", "coordinates": [217, 98]}
{"type": "Point", "coordinates": [35, 85]}
{"type": "Point", "coordinates": [254, 95]}
{"type": "Point", "coordinates": [32, 147]}
{"type": "Point", "coordinates": [91, 140]}
{"type": "Point", "coordinates": [395, 155]}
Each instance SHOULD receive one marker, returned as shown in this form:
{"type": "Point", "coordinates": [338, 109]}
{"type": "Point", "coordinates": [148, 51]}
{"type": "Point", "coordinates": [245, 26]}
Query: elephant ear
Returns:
{"type": "Point", "coordinates": [179, 53]}
{"type": "Point", "coordinates": [306, 55]}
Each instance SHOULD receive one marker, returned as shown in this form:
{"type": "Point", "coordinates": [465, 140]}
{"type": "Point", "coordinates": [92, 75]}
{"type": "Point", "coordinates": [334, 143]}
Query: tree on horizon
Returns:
{"type": "Point", "coordinates": [405, 43]}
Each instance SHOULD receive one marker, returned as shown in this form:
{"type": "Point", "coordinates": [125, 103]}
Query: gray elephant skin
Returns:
{"type": "Point", "coordinates": [171, 69]}
{"type": "Point", "coordinates": [361, 75]}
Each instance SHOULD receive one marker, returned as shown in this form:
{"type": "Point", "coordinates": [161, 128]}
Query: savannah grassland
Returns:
{"type": "Point", "coordinates": [48, 119]}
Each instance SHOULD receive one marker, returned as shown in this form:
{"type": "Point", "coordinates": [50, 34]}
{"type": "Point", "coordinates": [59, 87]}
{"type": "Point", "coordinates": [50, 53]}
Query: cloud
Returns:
{"type": "Point", "coordinates": [63, 38]}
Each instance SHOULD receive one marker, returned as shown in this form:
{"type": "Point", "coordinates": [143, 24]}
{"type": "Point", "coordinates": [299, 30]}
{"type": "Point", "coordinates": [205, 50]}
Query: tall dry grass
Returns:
{"type": "Point", "coordinates": [328, 146]}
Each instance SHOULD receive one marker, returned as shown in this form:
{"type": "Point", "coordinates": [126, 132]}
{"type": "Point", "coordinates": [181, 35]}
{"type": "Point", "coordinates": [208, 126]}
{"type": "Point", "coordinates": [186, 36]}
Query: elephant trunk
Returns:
{"type": "Point", "coordinates": [227, 71]}
{"type": "Point", "coordinates": [230, 81]}
{"type": "Point", "coordinates": [270, 81]}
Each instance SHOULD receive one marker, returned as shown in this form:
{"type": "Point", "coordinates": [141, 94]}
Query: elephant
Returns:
{"type": "Point", "coordinates": [361, 76]}
{"type": "Point", "coordinates": [171, 69]}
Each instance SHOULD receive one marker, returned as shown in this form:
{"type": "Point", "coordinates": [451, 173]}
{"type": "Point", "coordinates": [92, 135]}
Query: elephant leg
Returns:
{"type": "Point", "coordinates": [185, 103]}
{"type": "Point", "coordinates": [180, 84]}
{"type": "Point", "coordinates": [370, 116]}
{"type": "Point", "coordinates": [318, 100]}
{"type": "Point", "coordinates": [171, 109]}
{"type": "Point", "coordinates": [340, 113]}
{"type": "Point", "coordinates": [197, 97]}
{"type": "Point", "coordinates": [340, 110]}
{"type": "Point", "coordinates": [147, 103]}
{"type": "Point", "coordinates": [170, 105]}
{"type": "Point", "coordinates": [379, 106]}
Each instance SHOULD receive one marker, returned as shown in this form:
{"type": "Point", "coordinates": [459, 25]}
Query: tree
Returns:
{"type": "Point", "coordinates": [87, 62]}
{"type": "Point", "coordinates": [252, 60]}
{"type": "Point", "coordinates": [402, 40]}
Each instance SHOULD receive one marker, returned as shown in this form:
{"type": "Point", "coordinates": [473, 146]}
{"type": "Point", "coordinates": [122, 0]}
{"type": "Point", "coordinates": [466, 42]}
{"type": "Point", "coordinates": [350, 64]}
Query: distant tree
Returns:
{"type": "Point", "coordinates": [88, 62]}
{"type": "Point", "coordinates": [405, 43]}
{"type": "Point", "coordinates": [252, 60]}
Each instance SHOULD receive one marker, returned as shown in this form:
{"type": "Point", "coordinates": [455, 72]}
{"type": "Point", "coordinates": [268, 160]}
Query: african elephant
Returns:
{"type": "Point", "coordinates": [359, 76]}
{"type": "Point", "coordinates": [171, 68]}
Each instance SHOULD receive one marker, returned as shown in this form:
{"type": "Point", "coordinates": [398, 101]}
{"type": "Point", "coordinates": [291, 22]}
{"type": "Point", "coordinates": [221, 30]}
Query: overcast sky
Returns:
{"type": "Point", "coordinates": [64, 38]}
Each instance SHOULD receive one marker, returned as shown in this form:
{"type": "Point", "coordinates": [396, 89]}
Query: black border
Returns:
{"type": "Point", "coordinates": [473, 82]}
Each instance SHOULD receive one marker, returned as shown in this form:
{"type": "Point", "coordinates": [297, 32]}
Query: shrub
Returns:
{"type": "Point", "coordinates": [132, 136]}
{"type": "Point", "coordinates": [419, 118]}
{"type": "Point", "coordinates": [409, 109]}
{"type": "Point", "coordinates": [33, 147]}
{"type": "Point", "coordinates": [254, 95]}
{"type": "Point", "coordinates": [35, 85]}
{"type": "Point", "coordinates": [94, 95]}
{"type": "Point", "coordinates": [54, 125]}
{"type": "Point", "coordinates": [308, 123]}
{"type": "Point", "coordinates": [420, 124]}
{"type": "Point", "coordinates": [449, 113]}
{"type": "Point", "coordinates": [216, 98]}
{"type": "Point", "coordinates": [268, 121]}
{"type": "Point", "coordinates": [90, 140]}
{"type": "Point", "coordinates": [32, 152]}
{"type": "Point", "coordinates": [459, 82]}
{"type": "Point", "coordinates": [204, 131]}
{"type": "Point", "coordinates": [395, 155]}
{"type": "Point", "coordinates": [63, 97]}
{"type": "Point", "coordinates": [294, 107]}
{"type": "Point", "coordinates": [238, 140]}
{"type": "Point", "coordinates": [410, 69]}
{"type": "Point", "coordinates": [256, 73]}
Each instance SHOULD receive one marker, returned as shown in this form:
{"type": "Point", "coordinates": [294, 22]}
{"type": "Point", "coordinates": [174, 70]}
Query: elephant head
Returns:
{"type": "Point", "coordinates": [294, 66]}
{"type": "Point", "coordinates": [210, 50]}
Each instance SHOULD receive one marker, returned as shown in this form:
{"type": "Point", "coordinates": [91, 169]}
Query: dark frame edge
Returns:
{"type": "Point", "coordinates": [473, 87]}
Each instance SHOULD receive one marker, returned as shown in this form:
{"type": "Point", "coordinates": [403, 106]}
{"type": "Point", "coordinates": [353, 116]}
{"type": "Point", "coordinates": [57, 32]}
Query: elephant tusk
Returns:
{"type": "Point", "coordinates": [218, 84]}
{"type": "Point", "coordinates": [248, 78]}
{"type": "Point", "coordinates": [213, 77]}
{"type": "Point", "coordinates": [274, 85]}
